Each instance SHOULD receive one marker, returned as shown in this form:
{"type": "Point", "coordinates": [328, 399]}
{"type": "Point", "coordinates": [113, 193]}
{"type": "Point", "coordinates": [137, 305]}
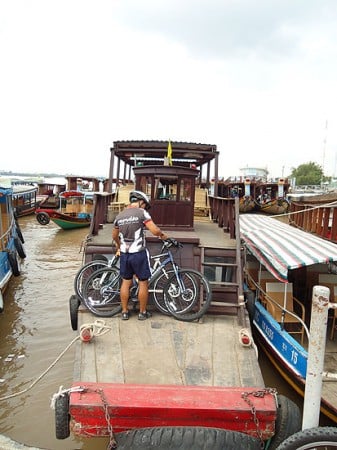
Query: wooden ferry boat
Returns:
{"type": "Point", "coordinates": [283, 264]}
{"type": "Point", "coordinates": [144, 382]}
{"type": "Point", "coordinates": [271, 196]}
{"type": "Point", "coordinates": [74, 211]}
{"type": "Point", "coordinates": [242, 187]}
{"type": "Point", "coordinates": [48, 193]}
{"type": "Point", "coordinates": [256, 192]}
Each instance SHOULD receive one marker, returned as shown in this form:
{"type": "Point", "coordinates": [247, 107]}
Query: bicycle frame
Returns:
{"type": "Point", "coordinates": [159, 266]}
{"type": "Point", "coordinates": [156, 269]}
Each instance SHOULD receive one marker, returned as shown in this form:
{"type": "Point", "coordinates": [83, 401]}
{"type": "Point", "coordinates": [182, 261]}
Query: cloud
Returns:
{"type": "Point", "coordinates": [230, 29]}
{"type": "Point", "coordinates": [255, 78]}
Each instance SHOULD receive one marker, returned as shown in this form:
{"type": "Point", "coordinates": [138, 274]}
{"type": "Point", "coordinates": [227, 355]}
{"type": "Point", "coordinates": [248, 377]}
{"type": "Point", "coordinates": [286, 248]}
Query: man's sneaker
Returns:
{"type": "Point", "coordinates": [144, 315]}
{"type": "Point", "coordinates": [125, 316]}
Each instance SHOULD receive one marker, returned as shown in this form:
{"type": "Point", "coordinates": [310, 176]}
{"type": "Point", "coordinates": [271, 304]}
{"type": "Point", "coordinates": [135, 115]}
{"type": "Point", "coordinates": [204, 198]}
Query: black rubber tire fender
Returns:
{"type": "Point", "coordinates": [19, 232]}
{"type": "Point", "coordinates": [74, 303]}
{"type": "Point", "coordinates": [250, 303]}
{"type": "Point", "coordinates": [62, 417]}
{"type": "Point", "coordinates": [312, 438]}
{"type": "Point", "coordinates": [288, 421]}
{"type": "Point", "coordinates": [13, 262]}
{"type": "Point", "coordinates": [43, 218]}
{"type": "Point", "coordinates": [19, 247]}
{"type": "Point", "coordinates": [185, 438]}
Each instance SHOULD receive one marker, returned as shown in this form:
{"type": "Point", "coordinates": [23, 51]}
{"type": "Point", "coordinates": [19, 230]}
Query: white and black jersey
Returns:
{"type": "Point", "coordinates": [131, 224]}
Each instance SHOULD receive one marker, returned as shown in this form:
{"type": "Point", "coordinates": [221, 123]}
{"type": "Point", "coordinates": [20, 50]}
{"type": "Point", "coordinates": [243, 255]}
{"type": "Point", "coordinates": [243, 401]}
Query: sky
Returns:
{"type": "Point", "coordinates": [256, 78]}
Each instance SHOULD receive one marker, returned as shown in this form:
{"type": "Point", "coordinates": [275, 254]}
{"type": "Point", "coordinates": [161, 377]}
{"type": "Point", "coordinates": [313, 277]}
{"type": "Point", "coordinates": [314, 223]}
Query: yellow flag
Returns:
{"type": "Point", "coordinates": [169, 153]}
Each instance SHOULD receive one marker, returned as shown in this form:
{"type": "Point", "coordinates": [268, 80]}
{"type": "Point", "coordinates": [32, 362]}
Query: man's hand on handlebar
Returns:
{"type": "Point", "coordinates": [172, 242]}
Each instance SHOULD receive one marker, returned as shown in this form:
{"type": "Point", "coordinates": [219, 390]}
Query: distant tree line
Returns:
{"type": "Point", "coordinates": [309, 173]}
{"type": "Point", "coordinates": [25, 174]}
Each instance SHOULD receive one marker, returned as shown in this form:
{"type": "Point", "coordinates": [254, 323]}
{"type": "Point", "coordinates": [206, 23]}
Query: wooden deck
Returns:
{"type": "Point", "coordinates": [162, 350]}
{"type": "Point", "coordinates": [207, 232]}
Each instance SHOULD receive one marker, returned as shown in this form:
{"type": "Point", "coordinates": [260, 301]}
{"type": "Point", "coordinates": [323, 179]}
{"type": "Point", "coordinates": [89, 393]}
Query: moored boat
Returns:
{"type": "Point", "coordinates": [11, 241]}
{"type": "Point", "coordinates": [24, 199]}
{"type": "Point", "coordinates": [48, 193]}
{"type": "Point", "coordinates": [271, 196]}
{"type": "Point", "coordinates": [242, 187]}
{"type": "Point", "coordinates": [166, 375]}
{"type": "Point", "coordinates": [283, 265]}
{"type": "Point", "coordinates": [74, 211]}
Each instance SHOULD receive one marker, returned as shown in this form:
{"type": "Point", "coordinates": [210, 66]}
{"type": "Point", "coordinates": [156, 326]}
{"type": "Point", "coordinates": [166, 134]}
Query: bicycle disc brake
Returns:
{"type": "Point", "coordinates": [174, 291]}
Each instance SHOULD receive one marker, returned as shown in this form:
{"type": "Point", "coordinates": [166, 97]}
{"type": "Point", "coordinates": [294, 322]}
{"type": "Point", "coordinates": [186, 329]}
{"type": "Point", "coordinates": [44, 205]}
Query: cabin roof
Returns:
{"type": "Point", "coordinates": [280, 247]}
{"type": "Point", "coordinates": [153, 152]}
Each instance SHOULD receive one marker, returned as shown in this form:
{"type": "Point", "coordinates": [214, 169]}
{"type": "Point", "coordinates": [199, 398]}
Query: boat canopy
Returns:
{"type": "Point", "coordinates": [280, 247]}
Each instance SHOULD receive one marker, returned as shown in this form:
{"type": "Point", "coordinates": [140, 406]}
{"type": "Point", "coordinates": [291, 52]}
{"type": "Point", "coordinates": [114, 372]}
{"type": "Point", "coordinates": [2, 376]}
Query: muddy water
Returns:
{"type": "Point", "coordinates": [35, 329]}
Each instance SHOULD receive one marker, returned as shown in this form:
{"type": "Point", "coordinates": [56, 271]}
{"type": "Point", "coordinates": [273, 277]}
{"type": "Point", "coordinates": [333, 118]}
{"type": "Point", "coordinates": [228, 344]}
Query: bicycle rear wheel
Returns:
{"type": "Point", "coordinates": [101, 292]}
{"type": "Point", "coordinates": [188, 298]}
{"type": "Point", "coordinates": [84, 273]}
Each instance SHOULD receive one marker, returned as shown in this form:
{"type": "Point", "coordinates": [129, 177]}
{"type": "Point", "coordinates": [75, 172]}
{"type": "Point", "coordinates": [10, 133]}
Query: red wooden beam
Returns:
{"type": "Point", "coordinates": [138, 406]}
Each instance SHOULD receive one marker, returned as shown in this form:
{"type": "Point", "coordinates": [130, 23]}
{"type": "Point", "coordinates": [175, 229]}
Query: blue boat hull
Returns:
{"type": "Point", "coordinates": [287, 356]}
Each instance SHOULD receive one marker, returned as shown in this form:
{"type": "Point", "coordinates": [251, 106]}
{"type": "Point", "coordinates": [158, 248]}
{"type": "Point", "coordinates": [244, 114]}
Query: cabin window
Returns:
{"type": "Point", "coordinates": [166, 187]}
{"type": "Point", "coordinates": [145, 185]}
{"type": "Point", "coordinates": [185, 189]}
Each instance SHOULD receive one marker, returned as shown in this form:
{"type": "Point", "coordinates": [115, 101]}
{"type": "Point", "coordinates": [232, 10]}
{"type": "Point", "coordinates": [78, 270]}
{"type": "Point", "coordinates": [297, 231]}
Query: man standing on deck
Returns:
{"type": "Point", "coordinates": [128, 234]}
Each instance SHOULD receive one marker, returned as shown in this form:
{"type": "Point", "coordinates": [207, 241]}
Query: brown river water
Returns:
{"type": "Point", "coordinates": [35, 329]}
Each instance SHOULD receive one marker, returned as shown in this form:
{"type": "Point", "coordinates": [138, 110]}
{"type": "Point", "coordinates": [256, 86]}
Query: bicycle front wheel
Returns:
{"type": "Point", "coordinates": [156, 288]}
{"type": "Point", "coordinates": [84, 273]}
{"type": "Point", "coordinates": [101, 293]}
{"type": "Point", "coordinates": [318, 438]}
{"type": "Point", "coordinates": [187, 295]}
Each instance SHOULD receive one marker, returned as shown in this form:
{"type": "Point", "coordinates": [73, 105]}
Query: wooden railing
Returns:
{"type": "Point", "coordinates": [223, 212]}
{"type": "Point", "coordinates": [316, 219]}
{"type": "Point", "coordinates": [101, 202]}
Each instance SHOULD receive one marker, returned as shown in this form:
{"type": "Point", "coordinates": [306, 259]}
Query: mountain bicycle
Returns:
{"type": "Point", "coordinates": [182, 293]}
{"type": "Point", "coordinates": [88, 269]}
{"type": "Point", "coordinates": [81, 277]}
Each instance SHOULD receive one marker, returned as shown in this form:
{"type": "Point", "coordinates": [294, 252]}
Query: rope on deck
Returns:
{"type": "Point", "coordinates": [246, 339]}
{"type": "Point", "coordinates": [89, 330]}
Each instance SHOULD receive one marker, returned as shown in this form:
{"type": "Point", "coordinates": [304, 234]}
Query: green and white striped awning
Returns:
{"type": "Point", "coordinates": [281, 247]}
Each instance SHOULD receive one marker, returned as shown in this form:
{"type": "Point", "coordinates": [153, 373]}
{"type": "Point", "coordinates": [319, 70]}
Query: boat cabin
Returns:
{"type": "Point", "coordinates": [172, 182]}
{"type": "Point", "coordinates": [171, 191]}
{"type": "Point", "coordinates": [86, 184]}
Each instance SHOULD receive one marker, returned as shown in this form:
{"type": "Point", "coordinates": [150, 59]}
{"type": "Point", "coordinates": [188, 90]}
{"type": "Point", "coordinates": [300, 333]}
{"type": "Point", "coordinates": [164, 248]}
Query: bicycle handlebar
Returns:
{"type": "Point", "coordinates": [170, 242]}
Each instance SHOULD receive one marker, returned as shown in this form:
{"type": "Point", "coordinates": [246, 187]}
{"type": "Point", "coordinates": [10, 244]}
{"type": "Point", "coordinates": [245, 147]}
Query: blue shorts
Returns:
{"type": "Point", "coordinates": [135, 264]}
